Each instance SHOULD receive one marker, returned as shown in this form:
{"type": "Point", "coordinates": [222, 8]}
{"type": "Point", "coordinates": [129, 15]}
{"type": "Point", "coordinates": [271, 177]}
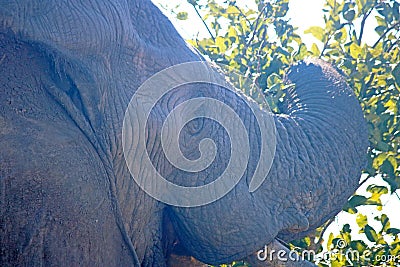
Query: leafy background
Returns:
{"type": "Point", "coordinates": [262, 43]}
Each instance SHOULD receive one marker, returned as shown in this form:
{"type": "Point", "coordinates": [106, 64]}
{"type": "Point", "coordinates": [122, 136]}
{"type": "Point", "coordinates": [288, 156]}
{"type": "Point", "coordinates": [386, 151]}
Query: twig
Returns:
{"type": "Point", "coordinates": [205, 24]}
{"type": "Point", "coordinates": [363, 90]}
{"type": "Point", "coordinates": [325, 46]}
{"type": "Point", "coordinates": [255, 25]}
{"type": "Point", "coordinates": [241, 12]}
{"type": "Point", "coordinates": [323, 50]}
{"type": "Point", "coordinates": [363, 24]}
{"type": "Point", "coordinates": [363, 181]}
{"type": "Point", "coordinates": [383, 35]}
{"type": "Point", "coordinates": [392, 45]}
{"type": "Point", "coordinates": [371, 78]}
{"type": "Point", "coordinates": [397, 195]}
{"type": "Point", "coordinates": [324, 230]}
{"type": "Point", "coordinates": [255, 28]}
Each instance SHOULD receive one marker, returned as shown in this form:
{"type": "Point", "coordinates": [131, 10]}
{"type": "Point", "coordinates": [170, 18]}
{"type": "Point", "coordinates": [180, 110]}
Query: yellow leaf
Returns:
{"type": "Point", "coordinates": [391, 105]}
{"type": "Point", "coordinates": [329, 243]}
{"type": "Point", "coordinates": [377, 51]}
{"type": "Point", "coordinates": [393, 161]}
{"type": "Point", "coordinates": [362, 220]}
{"type": "Point", "coordinates": [316, 31]}
{"type": "Point", "coordinates": [355, 50]}
{"type": "Point", "coordinates": [232, 10]}
{"type": "Point", "coordinates": [232, 32]}
{"type": "Point", "coordinates": [379, 160]}
{"type": "Point", "coordinates": [315, 50]}
{"type": "Point", "coordinates": [220, 43]}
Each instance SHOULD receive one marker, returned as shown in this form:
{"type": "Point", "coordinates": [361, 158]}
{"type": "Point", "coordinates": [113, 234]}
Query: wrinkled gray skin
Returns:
{"type": "Point", "coordinates": [67, 72]}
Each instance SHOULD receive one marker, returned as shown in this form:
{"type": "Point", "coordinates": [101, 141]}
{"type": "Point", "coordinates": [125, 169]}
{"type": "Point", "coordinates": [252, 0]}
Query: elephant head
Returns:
{"type": "Point", "coordinates": [99, 55]}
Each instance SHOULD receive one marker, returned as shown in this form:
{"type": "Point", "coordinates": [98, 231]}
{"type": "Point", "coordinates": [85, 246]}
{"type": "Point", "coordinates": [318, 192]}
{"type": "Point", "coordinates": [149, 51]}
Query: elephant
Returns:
{"type": "Point", "coordinates": [68, 72]}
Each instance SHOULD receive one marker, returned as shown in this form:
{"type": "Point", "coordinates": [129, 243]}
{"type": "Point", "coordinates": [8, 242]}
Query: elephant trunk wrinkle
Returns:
{"type": "Point", "coordinates": [329, 118]}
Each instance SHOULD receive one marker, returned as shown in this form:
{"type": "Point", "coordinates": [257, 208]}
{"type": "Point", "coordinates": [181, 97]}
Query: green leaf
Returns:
{"type": "Point", "coordinates": [370, 233]}
{"type": "Point", "coordinates": [393, 231]}
{"type": "Point", "coordinates": [346, 228]}
{"type": "Point", "coordinates": [385, 222]}
{"type": "Point", "coordinates": [349, 16]}
{"type": "Point", "coordinates": [382, 146]}
{"type": "Point", "coordinates": [388, 168]}
{"type": "Point", "coordinates": [358, 245]}
{"type": "Point", "coordinates": [354, 202]}
{"type": "Point", "coordinates": [376, 189]}
{"type": "Point", "coordinates": [380, 29]}
{"type": "Point", "coordinates": [394, 185]}
{"type": "Point", "coordinates": [396, 74]}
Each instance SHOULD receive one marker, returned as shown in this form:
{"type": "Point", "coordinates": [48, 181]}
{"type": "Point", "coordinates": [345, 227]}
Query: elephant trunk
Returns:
{"type": "Point", "coordinates": [331, 141]}
{"type": "Point", "coordinates": [320, 151]}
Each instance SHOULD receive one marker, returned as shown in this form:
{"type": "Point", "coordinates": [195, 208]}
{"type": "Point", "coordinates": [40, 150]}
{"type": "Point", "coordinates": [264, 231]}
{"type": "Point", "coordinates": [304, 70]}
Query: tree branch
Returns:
{"type": "Point", "coordinates": [325, 46]}
{"type": "Point", "coordinates": [371, 78]}
{"type": "Point", "coordinates": [363, 181]}
{"type": "Point", "coordinates": [397, 195]}
{"type": "Point", "coordinates": [255, 25]}
{"type": "Point", "coordinates": [392, 45]}
{"type": "Point", "coordinates": [386, 32]}
{"type": "Point", "coordinates": [240, 11]}
{"type": "Point", "coordinates": [205, 24]}
{"type": "Point", "coordinates": [363, 24]}
{"type": "Point", "coordinates": [324, 230]}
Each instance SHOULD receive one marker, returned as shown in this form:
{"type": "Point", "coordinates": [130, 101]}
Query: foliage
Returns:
{"type": "Point", "coordinates": [384, 247]}
{"type": "Point", "coordinates": [262, 44]}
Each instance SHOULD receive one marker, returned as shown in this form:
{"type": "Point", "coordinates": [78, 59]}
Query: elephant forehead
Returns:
{"type": "Point", "coordinates": [80, 27]}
